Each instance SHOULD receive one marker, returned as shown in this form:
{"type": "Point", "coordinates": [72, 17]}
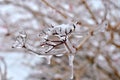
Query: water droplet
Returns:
{"type": "Point", "coordinates": [71, 59]}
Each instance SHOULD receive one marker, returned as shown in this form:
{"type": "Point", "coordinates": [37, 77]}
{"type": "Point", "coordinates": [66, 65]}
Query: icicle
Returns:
{"type": "Point", "coordinates": [49, 59]}
{"type": "Point", "coordinates": [71, 59]}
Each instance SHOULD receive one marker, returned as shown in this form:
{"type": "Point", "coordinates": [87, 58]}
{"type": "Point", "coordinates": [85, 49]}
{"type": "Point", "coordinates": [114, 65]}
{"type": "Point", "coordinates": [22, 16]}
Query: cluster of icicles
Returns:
{"type": "Point", "coordinates": [71, 59]}
{"type": "Point", "coordinates": [63, 32]}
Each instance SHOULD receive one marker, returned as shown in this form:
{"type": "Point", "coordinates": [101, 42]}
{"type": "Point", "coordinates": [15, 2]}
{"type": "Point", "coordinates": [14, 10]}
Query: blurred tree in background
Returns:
{"type": "Point", "coordinates": [98, 47]}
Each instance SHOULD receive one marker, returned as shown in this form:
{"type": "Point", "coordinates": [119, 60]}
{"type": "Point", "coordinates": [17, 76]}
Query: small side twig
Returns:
{"type": "Point", "coordinates": [90, 11]}
{"type": "Point", "coordinates": [48, 4]}
{"type": "Point", "coordinates": [115, 71]}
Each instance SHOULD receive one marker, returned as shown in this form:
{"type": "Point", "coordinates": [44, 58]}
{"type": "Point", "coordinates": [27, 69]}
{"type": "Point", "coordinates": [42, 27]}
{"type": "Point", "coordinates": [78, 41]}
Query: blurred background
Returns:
{"type": "Point", "coordinates": [98, 58]}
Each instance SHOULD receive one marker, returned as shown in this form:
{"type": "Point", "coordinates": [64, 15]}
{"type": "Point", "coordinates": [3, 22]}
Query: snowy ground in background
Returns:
{"type": "Point", "coordinates": [16, 68]}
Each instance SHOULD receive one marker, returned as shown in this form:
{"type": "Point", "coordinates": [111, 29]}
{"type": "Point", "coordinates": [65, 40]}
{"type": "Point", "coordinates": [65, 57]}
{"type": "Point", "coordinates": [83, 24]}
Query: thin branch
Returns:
{"type": "Point", "coordinates": [107, 73]}
{"type": "Point", "coordinates": [90, 11]}
{"type": "Point", "coordinates": [48, 4]}
{"type": "Point", "coordinates": [115, 71]}
{"type": "Point", "coordinates": [117, 7]}
{"type": "Point", "coordinates": [27, 47]}
{"type": "Point", "coordinates": [115, 44]}
{"type": "Point", "coordinates": [85, 39]}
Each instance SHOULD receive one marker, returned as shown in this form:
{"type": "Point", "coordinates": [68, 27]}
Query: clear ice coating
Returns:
{"type": "Point", "coordinates": [62, 35]}
{"type": "Point", "coordinates": [20, 40]}
{"type": "Point", "coordinates": [23, 34]}
{"type": "Point", "coordinates": [71, 59]}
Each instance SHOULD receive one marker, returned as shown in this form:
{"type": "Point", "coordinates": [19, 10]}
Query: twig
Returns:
{"type": "Point", "coordinates": [85, 39]}
{"type": "Point", "coordinates": [48, 4]}
{"type": "Point", "coordinates": [90, 11]}
{"type": "Point", "coordinates": [115, 71]}
{"type": "Point", "coordinates": [110, 75]}
{"type": "Point", "coordinates": [117, 7]}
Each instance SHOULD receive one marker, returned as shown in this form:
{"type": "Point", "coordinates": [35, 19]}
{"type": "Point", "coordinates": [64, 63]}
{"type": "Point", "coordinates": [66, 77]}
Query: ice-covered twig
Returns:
{"type": "Point", "coordinates": [20, 40]}
{"type": "Point", "coordinates": [55, 37]}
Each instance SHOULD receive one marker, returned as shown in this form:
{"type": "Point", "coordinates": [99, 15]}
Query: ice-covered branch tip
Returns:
{"type": "Point", "coordinates": [20, 40]}
{"type": "Point", "coordinates": [56, 40]}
